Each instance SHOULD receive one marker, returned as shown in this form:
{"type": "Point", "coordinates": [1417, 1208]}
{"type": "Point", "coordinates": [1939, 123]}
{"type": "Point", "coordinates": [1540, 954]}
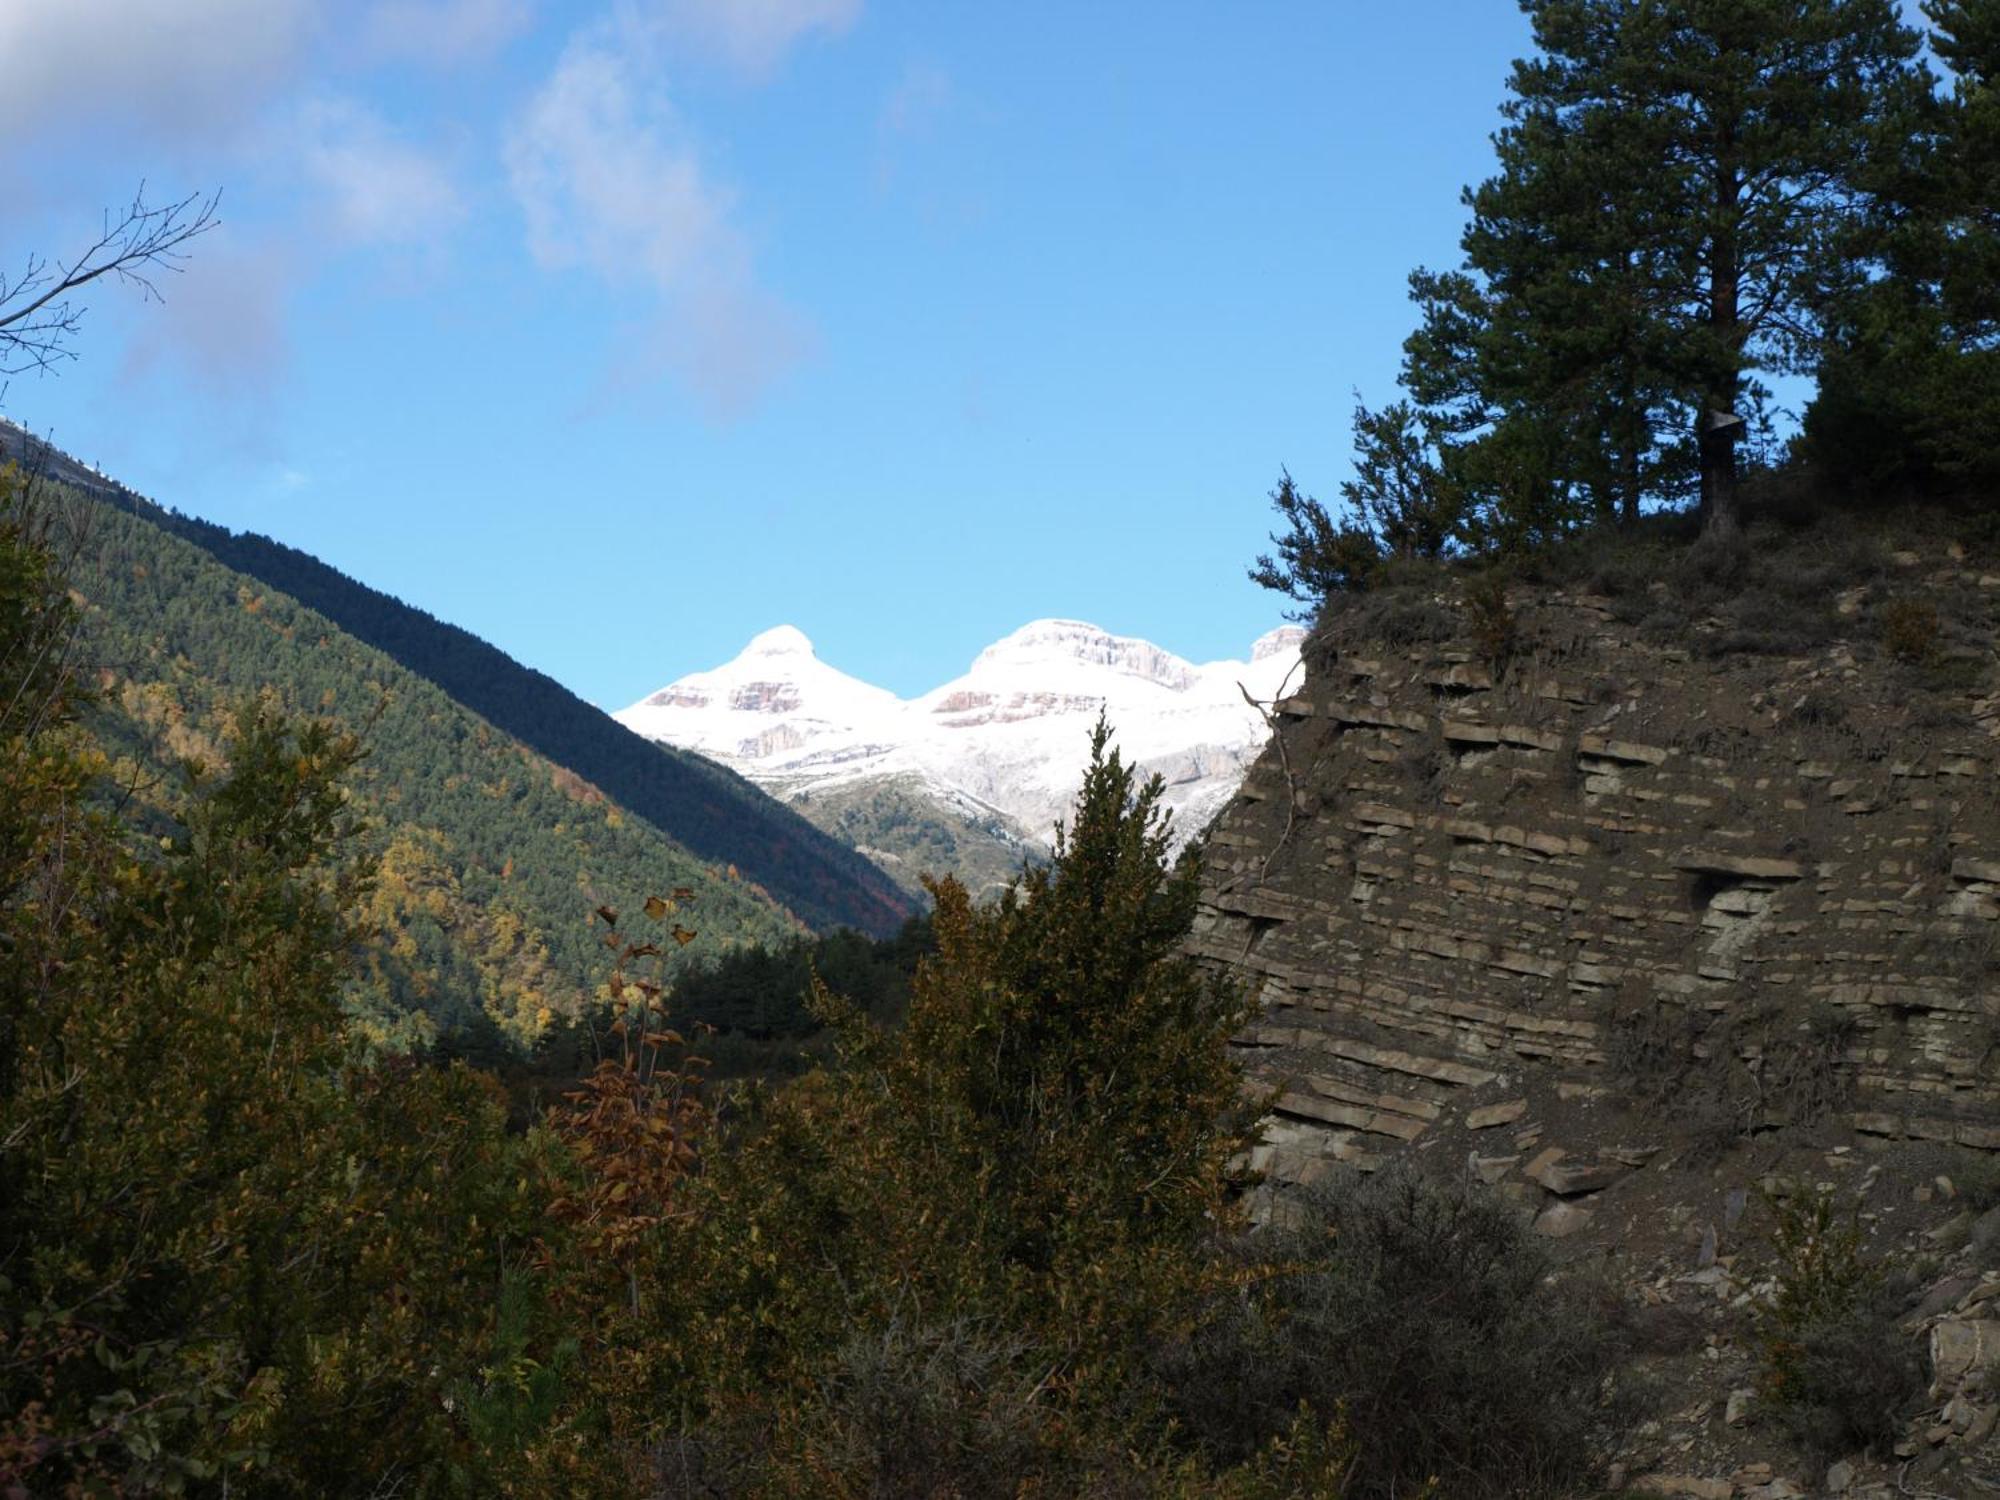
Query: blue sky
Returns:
{"type": "Point", "coordinates": [619, 330]}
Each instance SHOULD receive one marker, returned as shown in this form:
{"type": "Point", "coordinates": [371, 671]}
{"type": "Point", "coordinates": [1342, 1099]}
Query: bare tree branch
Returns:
{"type": "Point", "coordinates": [37, 315]}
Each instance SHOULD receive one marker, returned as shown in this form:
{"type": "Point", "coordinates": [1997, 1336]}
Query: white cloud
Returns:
{"type": "Point", "coordinates": [443, 32]}
{"type": "Point", "coordinates": [606, 183]}
{"type": "Point", "coordinates": [753, 34]}
{"type": "Point", "coordinates": [909, 116]}
{"type": "Point", "coordinates": [221, 322]}
{"type": "Point", "coordinates": [178, 68]}
{"type": "Point", "coordinates": [376, 188]}
{"type": "Point", "coordinates": [609, 183]}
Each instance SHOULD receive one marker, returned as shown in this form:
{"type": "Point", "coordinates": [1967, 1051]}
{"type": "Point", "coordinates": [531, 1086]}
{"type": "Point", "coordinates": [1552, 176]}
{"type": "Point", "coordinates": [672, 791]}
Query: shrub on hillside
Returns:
{"type": "Point", "coordinates": [962, 1409]}
{"type": "Point", "coordinates": [1495, 631]}
{"type": "Point", "coordinates": [1422, 1311]}
{"type": "Point", "coordinates": [1910, 629]}
{"type": "Point", "coordinates": [1839, 1372]}
{"type": "Point", "coordinates": [1977, 1178]}
{"type": "Point", "coordinates": [1725, 1078]}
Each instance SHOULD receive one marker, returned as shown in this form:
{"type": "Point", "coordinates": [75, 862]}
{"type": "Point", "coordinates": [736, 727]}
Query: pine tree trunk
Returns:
{"type": "Point", "coordinates": [1719, 514]}
{"type": "Point", "coordinates": [1632, 445]}
{"type": "Point", "coordinates": [1716, 439]}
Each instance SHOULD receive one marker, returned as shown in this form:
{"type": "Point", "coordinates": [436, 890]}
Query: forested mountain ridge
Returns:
{"type": "Point", "coordinates": [490, 856]}
{"type": "Point", "coordinates": [713, 812]}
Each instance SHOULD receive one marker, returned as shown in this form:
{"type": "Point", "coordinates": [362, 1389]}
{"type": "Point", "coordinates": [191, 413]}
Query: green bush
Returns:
{"type": "Point", "coordinates": [1422, 1311]}
{"type": "Point", "coordinates": [956, 1409]}
{"type": "Point", "coordinates": [1495, 631]}
{"type": "Point", "coordinates": [1400, 620]}
{"type": "Point", "coordinates": [1977, 1178]}
{"type": "Point", "coordinates": [1838, 1371]}
{"type": "Point", "coordinates": [1724, 1078]}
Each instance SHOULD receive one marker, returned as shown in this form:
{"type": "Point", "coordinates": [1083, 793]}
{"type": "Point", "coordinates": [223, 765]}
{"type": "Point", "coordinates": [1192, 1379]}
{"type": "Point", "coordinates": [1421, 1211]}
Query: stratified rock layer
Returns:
{"type": "Point", "coordinates": [1443, 875]}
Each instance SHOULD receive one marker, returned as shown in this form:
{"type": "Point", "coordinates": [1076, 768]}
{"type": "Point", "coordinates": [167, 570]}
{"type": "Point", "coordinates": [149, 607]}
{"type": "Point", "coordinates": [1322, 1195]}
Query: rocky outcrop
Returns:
{"type": "Point", "coordinates": [1449, 880]}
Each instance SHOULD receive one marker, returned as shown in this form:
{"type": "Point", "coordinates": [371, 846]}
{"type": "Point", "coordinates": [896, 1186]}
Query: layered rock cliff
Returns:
{"type": "Point", "coordinates": [1643, 930]}
{"type": "Point", "coordinates": [1443, 871]}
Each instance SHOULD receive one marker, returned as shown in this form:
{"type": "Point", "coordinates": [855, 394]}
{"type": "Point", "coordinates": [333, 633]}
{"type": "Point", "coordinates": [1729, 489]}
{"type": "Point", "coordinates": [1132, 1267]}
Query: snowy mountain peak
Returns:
{"type": "Point", "coordinates": [1284, 641]}
{"type": "Point", "coordinates": [781, 640]}
{"type": "Point", "coordinates": [1056, 644]}
{"type": "Point", "coordinates": [774, 698]}
{"type": "Point", "coordinates": [999, 752]}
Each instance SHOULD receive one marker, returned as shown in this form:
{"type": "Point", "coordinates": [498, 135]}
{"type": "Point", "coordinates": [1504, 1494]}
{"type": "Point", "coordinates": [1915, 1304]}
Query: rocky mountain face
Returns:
{"type": "Point", "coordinates": [1650, 939]}
{"type": "Point", "coordinates": [971, 777]}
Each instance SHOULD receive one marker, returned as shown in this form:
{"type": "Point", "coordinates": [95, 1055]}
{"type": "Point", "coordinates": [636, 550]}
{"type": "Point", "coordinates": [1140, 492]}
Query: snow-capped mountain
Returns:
{"type": "Point", "coordinates": [972, 776]}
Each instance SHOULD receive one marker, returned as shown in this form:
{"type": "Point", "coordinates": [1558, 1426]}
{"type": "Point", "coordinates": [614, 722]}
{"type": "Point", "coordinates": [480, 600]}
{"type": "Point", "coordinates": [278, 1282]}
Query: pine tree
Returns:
{"type": "Point", "coordinates": [1031, 1171]}
{"type": "Point", "coordinates": [1679, 185]}
{"type": "Point", "coordinates": [1317, 556]}
{"type": "Point", "coordinates": [1967, 229]}
{"type": "Point", "coordinates": [1400, 489]}
{"type": "Point", "coordinates": [1910, 387]}
{"type": "Point", "coordinates": [1967, 37]}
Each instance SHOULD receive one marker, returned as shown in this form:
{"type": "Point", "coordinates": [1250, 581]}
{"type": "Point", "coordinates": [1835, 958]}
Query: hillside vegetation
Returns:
{"type": "Point", "coordinates": [901, 825]}
{"type": "Point", "coordinates": [488, 856]}
{"type": "Point", "coordinates": [710, 811]}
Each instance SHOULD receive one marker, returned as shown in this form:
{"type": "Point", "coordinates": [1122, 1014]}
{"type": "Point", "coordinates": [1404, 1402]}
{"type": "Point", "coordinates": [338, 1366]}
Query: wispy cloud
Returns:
{"type": "Point", "coordinates": [920, 147]}
{"type": "Point", "coordinates": [918, 98]}
{"type": "Point", "coordinates": [213, 88]}
{"type": "Point", "coordinates": [908, 116]}
{"type": "Point", "coordinates": [221, 324]}
{"type": "Point", "coordinates": [375, 188]}
{"type": "Point", "coordinates": [605, 179]}
{"type": "Point", "coordinates": [750, 34]}
{"type": "Point", "coordinates": [444, 33]}
{"type": "Point", "coordinates": [729, 345]}
{"type": "Point", "coordinates": [609, 182]}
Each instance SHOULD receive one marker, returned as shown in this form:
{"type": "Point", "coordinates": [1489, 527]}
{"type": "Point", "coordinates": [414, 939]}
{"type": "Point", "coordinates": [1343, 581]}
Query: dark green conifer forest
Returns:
{"type": "Point", "coordinates": [713, 812]}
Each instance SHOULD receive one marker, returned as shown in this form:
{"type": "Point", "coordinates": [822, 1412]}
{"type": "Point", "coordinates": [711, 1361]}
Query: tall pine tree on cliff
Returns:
{"type": "Point", "coordinates": [1966, 169]}
{"type": "Point", "coordinates": [1910, 388]}
{"type": "Point", "coordinates": [1680, 186]}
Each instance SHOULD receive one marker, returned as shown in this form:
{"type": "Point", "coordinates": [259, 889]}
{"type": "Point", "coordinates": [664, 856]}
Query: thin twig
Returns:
{"type": "Point", "coordinates": [1284, 764]}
